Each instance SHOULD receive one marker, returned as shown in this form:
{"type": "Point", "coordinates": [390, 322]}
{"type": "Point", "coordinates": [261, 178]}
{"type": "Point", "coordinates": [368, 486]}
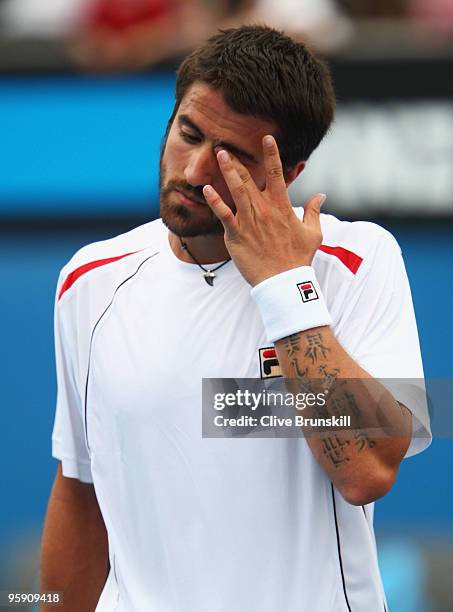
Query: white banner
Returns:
{"type": "Point", "coordinates": [394, 157]}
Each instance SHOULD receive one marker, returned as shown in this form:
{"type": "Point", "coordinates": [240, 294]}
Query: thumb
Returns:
{"type": "Point", "coordinates": [312, 209]}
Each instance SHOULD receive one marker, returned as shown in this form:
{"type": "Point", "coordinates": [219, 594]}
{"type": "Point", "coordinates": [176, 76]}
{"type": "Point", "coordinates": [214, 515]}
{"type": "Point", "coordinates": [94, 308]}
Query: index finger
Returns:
{"type": "Point", "coordinates": [238, 180]}
{"type": "Point", "coordinates": [275, 179]}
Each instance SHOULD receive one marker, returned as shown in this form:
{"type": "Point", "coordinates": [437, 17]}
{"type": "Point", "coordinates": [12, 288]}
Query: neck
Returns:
{"type": "Point", "coordinates": [205, 249]}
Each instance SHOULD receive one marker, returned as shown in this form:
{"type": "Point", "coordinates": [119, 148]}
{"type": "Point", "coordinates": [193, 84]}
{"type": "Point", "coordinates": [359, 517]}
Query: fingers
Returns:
{"type": "Point", "coordinates": [312, 210]}
{"type": "Point", "coordinates": [238, 180]}
{"type": "Point", "coordinates": [221, 210]}
{"type": "Point", "coordinates": [275, 179]}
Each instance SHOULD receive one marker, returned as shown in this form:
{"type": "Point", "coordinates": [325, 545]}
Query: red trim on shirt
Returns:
{"type": "Point", "coordinates": [81, 270]}
{"type": "Point", "coordinates": [348, 258]}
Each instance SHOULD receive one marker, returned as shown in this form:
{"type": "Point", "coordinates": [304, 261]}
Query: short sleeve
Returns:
{"type": "Point", "coordinates": [68, 436]}
{"type": "Point", "coordinates": [379, 330]}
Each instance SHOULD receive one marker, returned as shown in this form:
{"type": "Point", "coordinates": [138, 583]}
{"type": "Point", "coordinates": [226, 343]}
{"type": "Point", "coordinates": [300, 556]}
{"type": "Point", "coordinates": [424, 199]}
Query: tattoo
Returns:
{"type": "Point", "coordinates": [346, 405]}
{"type": "Point", "coordinates": [320, 411]}
{"type": "Point", "coordinates": [335, 450]}
{"type": "Point", "coordinates": [292, 348]}
{"type": "Point", "coordinates": [292, 345]}
{"type": "Point", "coordinates": [362, 441]}
{"type": "Point", "coordinates": [315, 347]}
{"type": "Point", "coordinates": [329, 379]}
{"type": "Point", "coordinates": [300, 373]}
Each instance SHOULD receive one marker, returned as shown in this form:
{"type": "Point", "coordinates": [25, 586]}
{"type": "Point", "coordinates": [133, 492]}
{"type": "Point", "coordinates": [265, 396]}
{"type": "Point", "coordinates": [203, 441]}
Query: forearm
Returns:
{"type": "Point", "coordinates": [361, 463]}
{"type": "Point", "coordinates": [74, 555]}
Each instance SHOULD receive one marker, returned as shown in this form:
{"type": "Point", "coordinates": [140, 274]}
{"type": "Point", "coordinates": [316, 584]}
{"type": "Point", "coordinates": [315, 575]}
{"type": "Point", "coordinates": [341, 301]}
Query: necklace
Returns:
{"type": "Point", "coordinates": [208, 275]}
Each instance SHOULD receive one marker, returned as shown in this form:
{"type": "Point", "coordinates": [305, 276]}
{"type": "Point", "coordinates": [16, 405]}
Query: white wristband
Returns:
{"type": "Point", "coordinates": [291, 302]}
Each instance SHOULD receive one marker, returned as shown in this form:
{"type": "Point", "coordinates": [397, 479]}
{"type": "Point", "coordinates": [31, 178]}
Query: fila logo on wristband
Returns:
{"type": "Point", "coordinates": [307, 291]}
{"type": "Point", "coordinates": [279, 304]}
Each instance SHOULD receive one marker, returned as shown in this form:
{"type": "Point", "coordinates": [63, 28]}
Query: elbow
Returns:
{"type": "Point", "coordinates": [369, 489]}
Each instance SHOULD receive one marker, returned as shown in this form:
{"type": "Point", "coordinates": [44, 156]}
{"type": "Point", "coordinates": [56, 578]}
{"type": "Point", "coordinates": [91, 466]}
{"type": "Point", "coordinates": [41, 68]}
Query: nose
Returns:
{"type": "Point", "coordinates": [201, 166]}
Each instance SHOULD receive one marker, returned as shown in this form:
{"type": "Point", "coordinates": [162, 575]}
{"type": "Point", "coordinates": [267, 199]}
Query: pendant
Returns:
{"type": "Point", "coordinates": [209, 277]}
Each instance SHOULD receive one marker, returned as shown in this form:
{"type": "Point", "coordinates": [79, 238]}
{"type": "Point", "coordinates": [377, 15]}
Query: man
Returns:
{"type": "Point", "coordinates": [231, 270]}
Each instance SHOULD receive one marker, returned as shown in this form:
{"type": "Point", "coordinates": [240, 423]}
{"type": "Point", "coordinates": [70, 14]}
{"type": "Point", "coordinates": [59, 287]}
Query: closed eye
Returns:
{"type": "Point", "coordinates": [190, 138]}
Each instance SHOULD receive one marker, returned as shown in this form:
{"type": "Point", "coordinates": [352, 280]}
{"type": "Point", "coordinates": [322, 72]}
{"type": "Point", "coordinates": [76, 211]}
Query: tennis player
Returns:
{"type": "Point", "coordinates": [232, 282]}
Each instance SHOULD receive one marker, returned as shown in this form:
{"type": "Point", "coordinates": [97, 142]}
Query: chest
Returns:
{"type": "Point", "coordinates": [158, 340]}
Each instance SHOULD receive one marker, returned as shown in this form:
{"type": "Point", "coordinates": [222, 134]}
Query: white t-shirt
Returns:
{"type": "Point", "coordinates": [217, 525]}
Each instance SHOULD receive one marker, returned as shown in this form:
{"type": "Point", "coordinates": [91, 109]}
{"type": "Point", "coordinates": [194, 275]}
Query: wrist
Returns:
{"type": "Point", "coordinates": [291, 302]}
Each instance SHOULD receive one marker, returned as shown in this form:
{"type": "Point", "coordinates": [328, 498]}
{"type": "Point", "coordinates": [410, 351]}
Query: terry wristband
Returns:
{"type": "Point", "coordinates": [291, 302]}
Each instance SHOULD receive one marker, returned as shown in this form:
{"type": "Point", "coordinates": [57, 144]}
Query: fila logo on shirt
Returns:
{"type": "Point", "coordinates": [307, 291]}
{"type": "Point", "coordinates": [269, 366]}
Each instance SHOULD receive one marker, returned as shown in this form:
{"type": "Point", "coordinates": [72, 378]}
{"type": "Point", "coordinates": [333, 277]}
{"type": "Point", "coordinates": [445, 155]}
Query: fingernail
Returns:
{"type": "Point", "coordinates": [208, 190]}
{"type": "Point", "coordinates": [321, 199]}
{"type": "Point", "coordinates": [268, 141]}
{"type": "Point", "coordinates": [223, 156]}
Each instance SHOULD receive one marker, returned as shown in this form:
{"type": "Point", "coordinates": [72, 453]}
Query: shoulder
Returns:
{"type": "Point", "coordinates": [363, 236]}
{"type": "Point", "coordinates": [353, 246]}
{"type": "Point", "coordinates": [112, 256]}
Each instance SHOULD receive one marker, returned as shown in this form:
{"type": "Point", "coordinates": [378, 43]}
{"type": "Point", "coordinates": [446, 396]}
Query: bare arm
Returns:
{"type": "Point", "coordinates": [362, 465]}
{"type": "Point", "coordinates": [74, 554]}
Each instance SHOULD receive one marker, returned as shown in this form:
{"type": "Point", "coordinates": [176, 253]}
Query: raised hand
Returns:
{"type": "Point", "coordinates": [264, 237]}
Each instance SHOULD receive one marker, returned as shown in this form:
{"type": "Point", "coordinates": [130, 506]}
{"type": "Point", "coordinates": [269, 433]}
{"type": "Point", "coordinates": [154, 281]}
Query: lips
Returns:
{"type": "Point", "coordinates": [190, 197]}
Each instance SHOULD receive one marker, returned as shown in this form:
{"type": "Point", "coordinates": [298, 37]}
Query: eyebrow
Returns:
{"type": "Point", "coordinates": [184, 120]}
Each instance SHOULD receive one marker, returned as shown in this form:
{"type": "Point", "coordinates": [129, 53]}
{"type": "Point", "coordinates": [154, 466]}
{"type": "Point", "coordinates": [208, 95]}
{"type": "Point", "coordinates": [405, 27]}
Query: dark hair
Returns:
{"type": "Point", "coordinates": [262, 72]}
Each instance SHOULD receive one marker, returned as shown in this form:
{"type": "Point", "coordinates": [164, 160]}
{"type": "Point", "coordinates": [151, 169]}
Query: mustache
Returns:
{"type": "Point", "coordinates": [193, 192]}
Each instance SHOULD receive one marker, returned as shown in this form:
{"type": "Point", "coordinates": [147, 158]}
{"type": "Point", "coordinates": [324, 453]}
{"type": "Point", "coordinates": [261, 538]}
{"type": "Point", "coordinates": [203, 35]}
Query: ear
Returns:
{"type": "Point", "coordinates": [292, 173]}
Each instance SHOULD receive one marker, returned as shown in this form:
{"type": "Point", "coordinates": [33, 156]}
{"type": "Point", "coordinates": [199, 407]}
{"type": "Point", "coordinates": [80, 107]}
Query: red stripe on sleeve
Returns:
{"type": "Point", "coordinates": [81, 270]}
{"type": "Point", "coordinates": [348, 258]}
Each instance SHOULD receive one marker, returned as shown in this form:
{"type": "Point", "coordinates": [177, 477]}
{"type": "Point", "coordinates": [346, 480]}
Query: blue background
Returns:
{"type": "Point", "coordinates": [80, 145]}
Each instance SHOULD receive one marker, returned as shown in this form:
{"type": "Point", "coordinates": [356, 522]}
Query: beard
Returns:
{"type": "Point", "coordinates": [179, 219]}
